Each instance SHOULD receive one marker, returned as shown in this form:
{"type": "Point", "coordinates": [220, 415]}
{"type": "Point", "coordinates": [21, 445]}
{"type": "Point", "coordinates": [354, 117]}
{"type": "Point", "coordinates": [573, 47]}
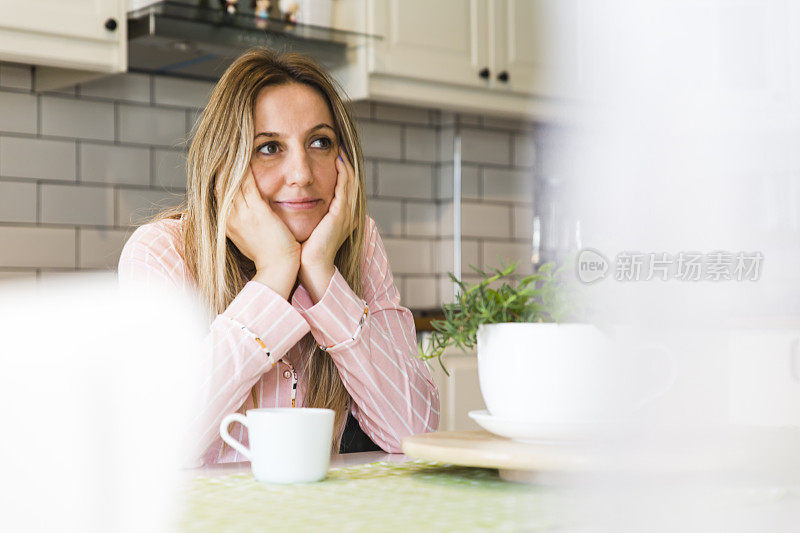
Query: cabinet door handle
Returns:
{"type": "Point", "coordinates": [484, 73]}
{"type": "Point", "coordinates": [111, 24]}
{"type": "Point", "coordinates": [503, 76]}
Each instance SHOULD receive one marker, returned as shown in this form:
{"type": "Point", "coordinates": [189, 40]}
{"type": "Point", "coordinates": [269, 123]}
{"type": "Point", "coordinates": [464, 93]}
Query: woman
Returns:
{"type": "Point", "coordinates": [275, 240]}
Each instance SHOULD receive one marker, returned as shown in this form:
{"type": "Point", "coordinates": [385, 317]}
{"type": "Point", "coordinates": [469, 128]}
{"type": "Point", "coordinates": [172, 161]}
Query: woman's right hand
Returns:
{"type": "Point", "coordinates": [264, 238]}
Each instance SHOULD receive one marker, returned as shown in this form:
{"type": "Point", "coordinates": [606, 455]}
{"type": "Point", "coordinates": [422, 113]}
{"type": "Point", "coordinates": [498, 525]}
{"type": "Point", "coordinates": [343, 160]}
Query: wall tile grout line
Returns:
{"type": "Point", "coordinates": [403, 221]}
{"type": "Point", "coordinates": [152, 166]}
{"type": "Point", "coordinates": [77, 248]}
{"type": "Point", "coordinates": [77, 161]}
{"type": "Point", "coordinates": [115, 204]}
{"type": "Point", "coordinates": [403, 133]}
{"type": "Point", "coordinates": [116, 123]}
{"type": "Point", "coordinates": [38, 115]}
{"type": "Point", "coordinates": [172, 146]}
{"type": "Point", "coordinates": [38, 202]}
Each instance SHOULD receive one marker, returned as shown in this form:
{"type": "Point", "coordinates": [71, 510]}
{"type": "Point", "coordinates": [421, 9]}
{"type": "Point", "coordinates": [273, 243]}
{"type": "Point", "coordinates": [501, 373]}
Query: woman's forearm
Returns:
{"type": "Point", "coordinates": [280, 279]}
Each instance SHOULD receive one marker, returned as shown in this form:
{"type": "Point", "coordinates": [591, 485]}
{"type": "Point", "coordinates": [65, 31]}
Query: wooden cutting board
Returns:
{"type": "Point", "coordinates": [516, 461]}
{"type": "Point", "coordinates": [765, 451]}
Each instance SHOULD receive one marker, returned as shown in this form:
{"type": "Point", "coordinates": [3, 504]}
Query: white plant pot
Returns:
{"type": "Point", "coordinates": [566, 373]}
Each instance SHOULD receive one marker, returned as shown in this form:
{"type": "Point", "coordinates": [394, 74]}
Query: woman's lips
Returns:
{"type": "Point", "coordinates": [299, 205]}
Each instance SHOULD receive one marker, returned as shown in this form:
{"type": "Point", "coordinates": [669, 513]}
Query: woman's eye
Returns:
{"type": "Point", "coordinates": [326, 143]}
{"type": "Point", "coordinates": [269, 148]}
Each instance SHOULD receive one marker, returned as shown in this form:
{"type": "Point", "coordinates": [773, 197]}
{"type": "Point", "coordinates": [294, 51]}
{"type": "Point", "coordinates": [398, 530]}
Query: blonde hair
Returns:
{"type": "Point", "coordinates": [220, 151]}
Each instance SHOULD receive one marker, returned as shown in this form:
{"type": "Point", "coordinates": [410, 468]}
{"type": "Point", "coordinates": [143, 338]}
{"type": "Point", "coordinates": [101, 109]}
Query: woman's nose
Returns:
{"type": "Point", "coordinates": [298, 169]}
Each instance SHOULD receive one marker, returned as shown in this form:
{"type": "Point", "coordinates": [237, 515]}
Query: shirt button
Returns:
{"type": "Point", "coordinates": [287, 374]}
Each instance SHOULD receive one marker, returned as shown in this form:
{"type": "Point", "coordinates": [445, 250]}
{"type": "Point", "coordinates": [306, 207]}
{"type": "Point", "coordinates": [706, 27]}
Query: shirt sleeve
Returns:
{"type": "Point", "coordinates": [375, 352]}
{"type": "Point", "coordinates": [233, 359]}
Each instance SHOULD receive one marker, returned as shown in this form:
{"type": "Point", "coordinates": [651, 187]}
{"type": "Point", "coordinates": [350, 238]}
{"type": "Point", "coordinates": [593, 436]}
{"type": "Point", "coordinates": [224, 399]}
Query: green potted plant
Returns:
{"type": "Point", "coordinates": [543, 370]}
{"type": "Point", "coordinates": [542, 297]}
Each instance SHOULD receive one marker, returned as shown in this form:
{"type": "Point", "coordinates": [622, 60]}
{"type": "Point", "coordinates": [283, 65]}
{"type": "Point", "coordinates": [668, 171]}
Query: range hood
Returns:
{"type": "Point", "coordinates": [190, 41]}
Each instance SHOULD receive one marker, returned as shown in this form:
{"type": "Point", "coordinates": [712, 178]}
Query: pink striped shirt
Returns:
{"type": "Point", "coordinates": [392, 390]}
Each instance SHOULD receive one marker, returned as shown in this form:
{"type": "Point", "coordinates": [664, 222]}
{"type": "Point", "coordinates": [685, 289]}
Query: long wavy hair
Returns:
{"type": "Point", "coordinates": [220, 152]}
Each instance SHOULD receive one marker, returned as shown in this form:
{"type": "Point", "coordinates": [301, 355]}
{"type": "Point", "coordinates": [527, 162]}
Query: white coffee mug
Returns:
{"type": "Point", "coordinates": [287, 444]}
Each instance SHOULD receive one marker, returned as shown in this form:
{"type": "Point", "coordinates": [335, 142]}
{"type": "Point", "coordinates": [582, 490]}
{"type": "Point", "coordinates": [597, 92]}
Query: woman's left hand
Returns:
{"type": "Point", "coordinates": [319, 250]}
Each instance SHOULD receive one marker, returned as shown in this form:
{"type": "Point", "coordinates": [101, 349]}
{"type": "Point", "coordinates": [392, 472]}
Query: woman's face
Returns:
{"type": "Point", "coordinates": [294, 156]}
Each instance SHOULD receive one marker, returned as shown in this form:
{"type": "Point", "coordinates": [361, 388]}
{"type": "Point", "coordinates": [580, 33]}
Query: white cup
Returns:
{"type": "Point", "coordinates": [287, 444]}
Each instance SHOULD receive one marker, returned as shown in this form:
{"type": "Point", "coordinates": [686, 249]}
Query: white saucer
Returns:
{"type": "Point", "coordinates": [536, 432]}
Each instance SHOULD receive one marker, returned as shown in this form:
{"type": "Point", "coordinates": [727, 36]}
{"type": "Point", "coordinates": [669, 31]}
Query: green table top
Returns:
{"type": "Point", "coordinates": [380, 496]}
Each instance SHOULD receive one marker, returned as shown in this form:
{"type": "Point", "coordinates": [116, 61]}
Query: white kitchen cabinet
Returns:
{"type": "Point", "coordinates": [507, 57]}
{"type": "Point", "coordinates": [536, 43]}
{"type": "Point", "coordinates": [443, 41]}
{"type": "Point", "coordinates": [67, 40]}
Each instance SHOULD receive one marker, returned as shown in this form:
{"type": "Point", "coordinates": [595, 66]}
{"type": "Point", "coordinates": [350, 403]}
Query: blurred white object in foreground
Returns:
{"type": "Point", "coordinates": [95, 388]}
{"type": "Point", "coordinates": [688, 145]}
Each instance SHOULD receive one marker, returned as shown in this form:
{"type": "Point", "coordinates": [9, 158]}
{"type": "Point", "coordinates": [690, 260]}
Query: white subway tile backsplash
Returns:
{"type": "Point", "coordinates": [70, 117]}
{"type": "Point", "coordinates": [523, 222]}
{"type": "Point", "coordinates": [446, 144]}
{"type": "Point", "coordinates": [469, 256]}
{"type": "Point", "coordinates": [150, 125]}
{"type": "Point", "coordinates": [129, 86]}
{"type": "Point", "coordinates": [37, 158]}
{"type": "Point", "coordinates": [181, 92]}
{"type": "Point", "coordinates": [524, 151]}
{"type": "Point", "coordinates": [114, 164]}
{"type": "Point", "coordinates": [408, 177]}
{"type": "Point", "coordinates": [421, 293]}
{"type": "Point", "coordinates": [136, 205]}
{"type": "Point", "coordinates": [409, 256]}
{"type": "Point", "coordinates": [469, 182]}
{"type": "Point", "coordinates": [478, 220]}
{"type": "Point", "coordinates": [507, 185]}
{"type": "Point", "coordinates": [409, 180]}
{"type": "Point", "coordinates": [496, 252]}
{"type": "Point", "coordinates": [447, 287]}
{"type": "Point", "coordinates": [100, 248]}
{"type": "Point", "coordinates": [398, 113]}
{"type": "Point", "coordinates": [422, 219]}
{"type": "Point", "coordinates": [17, 201]}
{"type": "Point", "coordinates": [381, 140]}
{"type": "Point", "coordinates": [18, 112]}
{"type": "Point", "coordinates": [420, 143]}
{"type": "Point", "coordinates": [485, 146]}
{"type": "Point", "coordinates": [77, 204]}
{"type": "Point", "coordinates": [387, 214]}
{"type": "Point", "coordinates": [400, 285]}
{"type": "Point", "coordinates": [37, 247]}
{"type": "Point", "coordinates": [192, 118]}
{"type": "Point", "coordinates": [14, 76]}
{"type": "Point", "coordinates": [170, 168]}
{"type": "Point", "coordinates": [369, 177]}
